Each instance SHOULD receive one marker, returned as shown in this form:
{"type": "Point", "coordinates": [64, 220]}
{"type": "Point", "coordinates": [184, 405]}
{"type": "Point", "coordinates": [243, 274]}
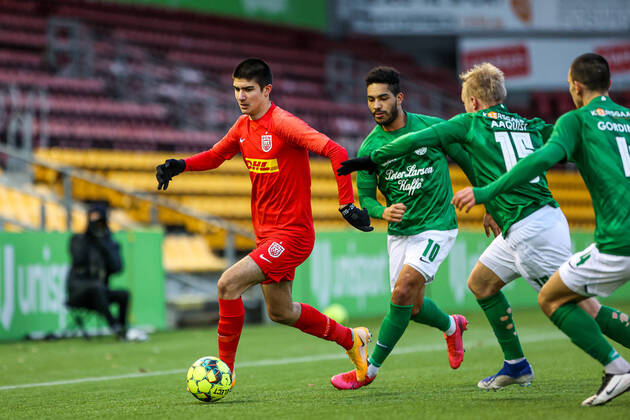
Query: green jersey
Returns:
{"type": "Point", "coordinates": [420, 180]}
{"type": "Point", "coordinates": [597, 138]}
{"type": "Point", "coordinates": [495, 139]}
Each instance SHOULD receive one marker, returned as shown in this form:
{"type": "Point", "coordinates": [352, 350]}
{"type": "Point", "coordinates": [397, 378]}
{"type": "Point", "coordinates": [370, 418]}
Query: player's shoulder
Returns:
{"type": "Point", "coordinates": [422, 120]}
{"type": "Point", "coordinates": [371, 141]}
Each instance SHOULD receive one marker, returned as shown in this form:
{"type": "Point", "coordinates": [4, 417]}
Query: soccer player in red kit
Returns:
{"type": "Point", "coordinates": [275, 145]}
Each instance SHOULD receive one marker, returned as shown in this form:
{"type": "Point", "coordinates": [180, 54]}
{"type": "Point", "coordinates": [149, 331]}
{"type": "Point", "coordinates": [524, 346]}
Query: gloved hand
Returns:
{"type": "Point", "coordinates": [166, 171]}
{"type": "Point", "coordinates": [357, 164]}
{"type": "Point", "coordinates": [357, 218]}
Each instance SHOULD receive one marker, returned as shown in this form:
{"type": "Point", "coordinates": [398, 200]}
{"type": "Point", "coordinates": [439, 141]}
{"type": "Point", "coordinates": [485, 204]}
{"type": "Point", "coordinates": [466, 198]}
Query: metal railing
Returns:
{"type": "Point", "coordinates": [155, 201]}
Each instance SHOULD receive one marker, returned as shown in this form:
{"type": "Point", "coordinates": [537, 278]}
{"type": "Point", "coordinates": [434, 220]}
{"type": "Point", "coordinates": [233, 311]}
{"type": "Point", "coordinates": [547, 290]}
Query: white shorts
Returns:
{"type": "Point", "coordinates": [593, 273]}
{"type": "Point", "coordinates": [424, 252]}
{"type": "Point", "coordinates": [535, 248]}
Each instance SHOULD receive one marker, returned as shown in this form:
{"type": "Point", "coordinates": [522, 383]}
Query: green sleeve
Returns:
{"type": "Point", "coordinates": [567, 132]}
{"type": "Point", "coordinates": [546, 132]}
{"type": "Point", "coordinates": [525, 170]}
{"type": "Point", "coordinates": [453, 130]}
{"type": "Point", "coordinates": [366, 184]}
{"type": "Point", "coordinates": [462, 159]}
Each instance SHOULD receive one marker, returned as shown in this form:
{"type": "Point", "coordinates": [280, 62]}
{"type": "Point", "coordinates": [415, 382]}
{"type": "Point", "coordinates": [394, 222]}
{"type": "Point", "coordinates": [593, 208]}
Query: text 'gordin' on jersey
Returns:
{"type": "Point", "coordinates": [262, 166]}
{"type": "Point", "coordinates": [611, 126]}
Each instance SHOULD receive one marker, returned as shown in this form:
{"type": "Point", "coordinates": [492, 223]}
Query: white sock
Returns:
{"type": "Point", "coordinates": [617, 366]}
{"type": "Point", "coordinates": [372, 370]}
{"type": "Point", "coordinates": [515, 361]}
{"type": "Point", "coordinates": [452, 327]}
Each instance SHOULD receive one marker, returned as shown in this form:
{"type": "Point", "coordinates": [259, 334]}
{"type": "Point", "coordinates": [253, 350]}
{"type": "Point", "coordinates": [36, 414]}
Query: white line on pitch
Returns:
{"type": "Point", "coordinates": [271, 362]}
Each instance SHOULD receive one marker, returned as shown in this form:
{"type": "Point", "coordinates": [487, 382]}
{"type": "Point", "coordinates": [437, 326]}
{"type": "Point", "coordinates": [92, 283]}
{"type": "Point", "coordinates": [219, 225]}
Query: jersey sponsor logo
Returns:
{"type": "Point", "coordinates": [262, 166]}
{"type": "Point", "coordinates": [421, 151]}
{"type": "Point", "coordinates": [611, 126]}
{"type": "Point", "coordinates": [492, 115]}
{"type": "Point", "coordinates": [410, 185]}
{"type": "Point", "coordinates": [275, 249]}
{"type": "Point", "coordinates": [409, 180]}
{"type": "Point", "coordinates": [242, 139]}
{"type": "Point", "coordinates": [601, 112]}
{"type": "Point", "coordinates": [266, 142]}
{"type": "Point", "coordinates": [262, 256]}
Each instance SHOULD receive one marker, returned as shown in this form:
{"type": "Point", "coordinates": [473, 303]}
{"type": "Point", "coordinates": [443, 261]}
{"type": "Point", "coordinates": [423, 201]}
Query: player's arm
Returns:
{"type": "Point", "coordinates": [462, 158]}
{"type": "Point", "coordinates": [442, 134]}
{"type": "Point", "coordinates": [301, 134]}
{"type": "Point", "coordinates": [223, 150]}
{"type": "Point", "coordinates": [526, 169]}
{"type": "Point", "coordinates": [560, 146]}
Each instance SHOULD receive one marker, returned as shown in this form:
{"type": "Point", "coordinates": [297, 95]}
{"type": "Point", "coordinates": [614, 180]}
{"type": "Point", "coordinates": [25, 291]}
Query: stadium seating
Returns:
{"type": "Point", "coordinates": [94, 124]}
{"type": "Point", "coordinates": [225, 191]}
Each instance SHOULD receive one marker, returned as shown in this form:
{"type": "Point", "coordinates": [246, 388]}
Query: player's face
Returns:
{"type": "Point", "coordinates": [574, 90]}
{"type": "Point", "coordinates": [250, 97]}
{"type": "Point", "coordinates": [383, 103]}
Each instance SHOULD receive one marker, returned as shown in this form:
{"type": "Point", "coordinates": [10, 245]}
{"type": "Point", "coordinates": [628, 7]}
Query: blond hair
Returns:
{"type": "Point", "coordinates": [485, 82]}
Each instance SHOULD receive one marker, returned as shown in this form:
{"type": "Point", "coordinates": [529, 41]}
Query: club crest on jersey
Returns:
{"type": "Point", "coordinates": [275, 249]}
{"type": "Point", "coordinates": [265, 142]}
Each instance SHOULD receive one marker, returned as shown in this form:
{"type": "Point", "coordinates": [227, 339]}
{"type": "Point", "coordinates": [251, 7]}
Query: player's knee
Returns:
{"type": "Point", "coordinates": [227, 288]}
{"type": "Point", "coordinates": [475, 287]}
{"type": "Point", "coordinates": [545, 303]}
{"type": "Point", "coordinates": [403, 294]}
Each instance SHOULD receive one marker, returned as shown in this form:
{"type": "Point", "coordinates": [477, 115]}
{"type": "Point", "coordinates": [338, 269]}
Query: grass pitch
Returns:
{"type": "Point", "coordinates": [283, 373]}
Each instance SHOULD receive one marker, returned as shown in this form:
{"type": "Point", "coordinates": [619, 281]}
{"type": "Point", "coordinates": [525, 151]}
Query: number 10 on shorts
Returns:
{"type": "Point", "coordinates": [431, 250]}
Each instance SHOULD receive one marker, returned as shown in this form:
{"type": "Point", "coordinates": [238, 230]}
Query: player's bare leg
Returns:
{"type": "Point", "coordinates": [281, 308]}
{"type": "Point", "coordinates": [559, 303]}
{"type": "Point", "coordinates": [486, 286]}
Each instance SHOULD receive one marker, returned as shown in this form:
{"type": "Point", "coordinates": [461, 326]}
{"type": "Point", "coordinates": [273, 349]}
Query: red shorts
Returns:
{"type": "Point", "coordinates": [279, 255]}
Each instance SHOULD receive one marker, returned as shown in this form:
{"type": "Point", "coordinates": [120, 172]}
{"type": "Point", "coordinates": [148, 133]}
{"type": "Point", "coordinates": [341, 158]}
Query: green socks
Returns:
{"type": "Point", "coordinates": [499, 314]}
{"type": "Point", "coordinates": [583, 332]}
{"type": "Point", "coordinates": [392, 328]}
{"type": "Point", "coordinates": [614, 324]}
{"type": "Point", "coordinates": [430, 314]}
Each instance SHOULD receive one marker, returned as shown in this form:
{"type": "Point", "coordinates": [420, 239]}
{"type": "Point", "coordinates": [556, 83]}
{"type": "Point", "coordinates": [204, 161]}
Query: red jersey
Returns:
{"type": "Point", "coordinates": [275, 150]}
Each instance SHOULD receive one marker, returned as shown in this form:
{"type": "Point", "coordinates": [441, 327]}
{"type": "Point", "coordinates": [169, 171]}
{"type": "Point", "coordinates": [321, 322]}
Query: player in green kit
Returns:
{"type": "Point", "coordinates": [596, 136]}
{"type": "Point", "coordinates": [535, 239]}
{"type": "Point", "coordinates": [422, 222]}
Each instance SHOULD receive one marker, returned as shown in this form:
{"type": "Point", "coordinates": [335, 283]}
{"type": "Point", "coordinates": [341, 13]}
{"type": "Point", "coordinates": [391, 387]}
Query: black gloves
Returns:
{"type": "Point", "coordinates": [357, 218]}
{"type": "Point", "coordinates": [357, 164]}
{"type": "Point", "coordinates": [166, 171]}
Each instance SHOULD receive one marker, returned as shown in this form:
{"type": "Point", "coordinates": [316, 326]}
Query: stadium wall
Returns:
{"type": "Point", "coordinates": [352, 269]}
{"type": "Point", "coordinates": [33, 271]}
{"type": "Point", "coordinates": [302, 14]}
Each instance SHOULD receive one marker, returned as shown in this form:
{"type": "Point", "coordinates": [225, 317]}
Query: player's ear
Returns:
{"type": "Point", "coordinates": [400, 97]}
{"type": "Point", "coordinates": [267, 91]}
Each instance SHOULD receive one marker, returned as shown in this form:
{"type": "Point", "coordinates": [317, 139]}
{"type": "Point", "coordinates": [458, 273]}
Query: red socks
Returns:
{"type": "Point", "coordinates": [231, 319]}
{"type": "Point", "coordinates": [313, 322]}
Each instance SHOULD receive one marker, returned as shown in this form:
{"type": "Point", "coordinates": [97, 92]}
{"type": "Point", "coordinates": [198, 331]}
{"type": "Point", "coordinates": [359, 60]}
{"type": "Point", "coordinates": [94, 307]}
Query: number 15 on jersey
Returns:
{"type": "Point", "coordinates": [511, 141]}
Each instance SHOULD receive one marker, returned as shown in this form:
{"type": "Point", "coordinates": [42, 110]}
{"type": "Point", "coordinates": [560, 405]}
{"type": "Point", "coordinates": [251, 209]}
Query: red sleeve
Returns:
{"type": "Point", "coordinates": [223, 150]}
{"type": "Point", "coordinates": [338, 154]}
{"type": "Point", "coordinates": [300, 133]}
{"type": "Point", "coordinates": [303, 135]}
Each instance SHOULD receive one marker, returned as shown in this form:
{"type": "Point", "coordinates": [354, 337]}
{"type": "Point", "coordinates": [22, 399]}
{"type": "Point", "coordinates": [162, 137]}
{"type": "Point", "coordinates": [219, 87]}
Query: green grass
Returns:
{"type": "Point", "coordinates": [414, 383]}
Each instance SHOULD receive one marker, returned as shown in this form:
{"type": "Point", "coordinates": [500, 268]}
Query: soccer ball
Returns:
{"type": "Point", "coordinates": [209, 379]}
